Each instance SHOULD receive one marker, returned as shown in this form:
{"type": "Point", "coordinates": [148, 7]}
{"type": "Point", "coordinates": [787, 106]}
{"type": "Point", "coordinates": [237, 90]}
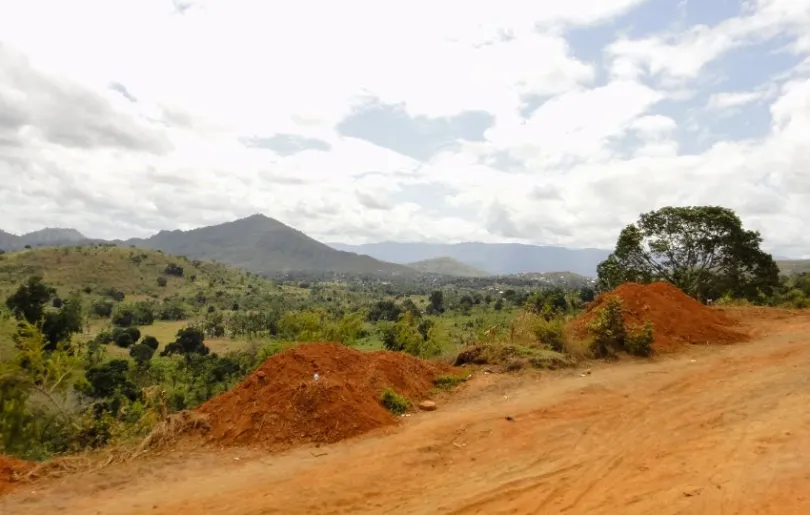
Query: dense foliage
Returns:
{"type": "Point", "coordinates": [705, 251]}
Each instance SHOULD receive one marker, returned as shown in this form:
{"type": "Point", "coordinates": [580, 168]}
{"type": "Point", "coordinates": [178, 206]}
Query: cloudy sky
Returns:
{"type": "Point", "coordinates": [360, 120]}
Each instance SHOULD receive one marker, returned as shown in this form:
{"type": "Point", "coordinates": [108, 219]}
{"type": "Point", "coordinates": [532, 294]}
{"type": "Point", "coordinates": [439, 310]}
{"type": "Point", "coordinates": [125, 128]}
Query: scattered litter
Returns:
{"type": "Point", "coordinates": [319, 454]}
{"type": "Point", "coordinates": [316, 377]}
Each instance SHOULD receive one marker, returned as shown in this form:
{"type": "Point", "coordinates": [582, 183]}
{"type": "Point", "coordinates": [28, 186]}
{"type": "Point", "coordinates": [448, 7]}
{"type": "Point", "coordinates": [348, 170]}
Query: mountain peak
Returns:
{"type": "Point", "coordinates": [56, 232]}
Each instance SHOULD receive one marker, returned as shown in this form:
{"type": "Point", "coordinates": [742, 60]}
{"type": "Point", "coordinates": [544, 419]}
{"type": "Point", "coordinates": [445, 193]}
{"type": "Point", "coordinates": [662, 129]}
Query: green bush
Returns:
{"type": "Point", "coordinates": [449, 382]}
{"type": "Point", "coordinates": [610, 334]}
{"type": "Point", "coordinates": [607, 328]}
{"type": "Point", "coordinates": [638, 340]}
{"type": "Point", "coordinates": [550, 333]}
{"type": "Point", "coordinates": [151, 341]}
{"type": "Point", "coordinates": [124, 340]}
{"type": "Point", "coordinates": [103, 308]}
{"type": "Point", "coordinates": [394, 402]}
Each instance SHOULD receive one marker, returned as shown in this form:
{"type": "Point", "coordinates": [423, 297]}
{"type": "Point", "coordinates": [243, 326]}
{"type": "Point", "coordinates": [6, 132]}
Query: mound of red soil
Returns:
{"type": "Point", "coordinates": [677, 318]}
{"type": "Point", "coordinates": [281, 404]}
{"type": "Point", "coordinates": [10, 470]}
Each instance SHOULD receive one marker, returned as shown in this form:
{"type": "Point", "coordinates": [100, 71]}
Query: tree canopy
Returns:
{"type": "Point", "coordinates": [703, 250]}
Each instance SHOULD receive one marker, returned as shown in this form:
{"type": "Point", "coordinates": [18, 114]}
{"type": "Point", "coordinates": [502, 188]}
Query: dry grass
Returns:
{"type": "Point", "coordinates": [132, 271]}
{"type": "Point", "coordinates": [173, 427]}
{"type": "Point", "coordinates": [165, 331]}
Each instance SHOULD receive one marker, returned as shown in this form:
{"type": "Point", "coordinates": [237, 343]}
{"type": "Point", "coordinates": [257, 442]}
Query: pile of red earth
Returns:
{"type": "Point", "coordinates": [677, 318]}
{"type": "Point", "coordinates": [11, 469]}
{"type": "Point", "coordinates": [282, 404]}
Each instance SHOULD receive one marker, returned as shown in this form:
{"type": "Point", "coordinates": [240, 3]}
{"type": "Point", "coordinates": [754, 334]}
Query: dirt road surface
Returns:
{"type": "Point", "coordinates": [716, 430]}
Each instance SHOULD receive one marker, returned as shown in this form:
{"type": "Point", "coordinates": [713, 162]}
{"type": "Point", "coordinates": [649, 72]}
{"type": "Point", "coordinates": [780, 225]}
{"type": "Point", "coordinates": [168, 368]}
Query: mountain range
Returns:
{"type": "Point", "coordinates": [493, 258]}
{"type": "Point", "coordinates": [44, 237]}
{"type": "Point", "coordinates": [264, 245]}
{"type": "Point", "coordinates": [447, 266]}
{"type": "Point", "coordinates": [267, 246]}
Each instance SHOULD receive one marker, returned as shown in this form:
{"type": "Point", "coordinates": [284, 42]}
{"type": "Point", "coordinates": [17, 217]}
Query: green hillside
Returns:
{"type": "Point", "coordinates": [447, 266]}
{"type": "Point", "coordinates": [95, 270]}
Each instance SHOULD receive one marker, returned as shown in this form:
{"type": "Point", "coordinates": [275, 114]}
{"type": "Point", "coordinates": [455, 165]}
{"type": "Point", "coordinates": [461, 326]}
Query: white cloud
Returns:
{"type": "Point", "coordinates": [736, 99]}
{"type": "Point", "coordinates": [683, 55]}
{"type": "Point", "coordinates": [595, 151]}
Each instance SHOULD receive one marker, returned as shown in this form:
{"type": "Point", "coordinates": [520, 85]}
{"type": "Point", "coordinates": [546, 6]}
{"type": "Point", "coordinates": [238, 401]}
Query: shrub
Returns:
{"type": "Point", "coordinates": [133, 332]}
{"type": "Point", "coordinates": [124, 340]}
{"type": "Point", "coordinates": [102, 308]}
{"type": "Point", "coordinates": [607, 328]}
{"type": "Point", "coordinates": [172, 311]}
{"type": "Point", "coordinates": [161, 281]}
{"type": "Point", "coordinates": [57, 302]}
{"type": "Point", "coordinates": [114, 294]}
{"type": "Point", "coordinates": [449, 382]}
{"type": "Point", "coordinates": [611, 335]}
{"type": "Point", "coordinates": [638, 340]}
{"type": "Point", "coordinates": [173, 269]}
{"type": "Point", "coordinates": [123, 317]}
{"type": "Point", "coordinates": [394, 402]}
{"type": "Point", "coordinates": [104, 337]}
{"type": "Point", "coordinates": [550, 333]}
{"type": "Point", "coordinates": [141, 353]}
{"type": "Point", "coordinates": [150, 341]}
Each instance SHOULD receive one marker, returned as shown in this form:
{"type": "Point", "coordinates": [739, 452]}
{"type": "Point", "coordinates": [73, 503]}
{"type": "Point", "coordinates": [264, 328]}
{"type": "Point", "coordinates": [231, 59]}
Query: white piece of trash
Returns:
{"type": "Point", "coordinates": [316, 377]}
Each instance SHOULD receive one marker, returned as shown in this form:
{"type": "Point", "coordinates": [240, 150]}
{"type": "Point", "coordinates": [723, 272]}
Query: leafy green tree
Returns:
{"type": "Point", "coordinates": [385, 309]}
{"type": "Point", "coordinates": [58, 326]}
{"type": "Point", "coordinates": [436, 302]}
{"type": "Point", "coordinates": [28, 302]}
{"type": "Point", "coordinates": [189, 341]}
{"type": "Point", "coordinates": [34, 379]}
{"type": "Point", "coordinates": [409, 305]}
{"type": "Point", "coordinates": [141, 353]}
{"type": "Point", "coordinates": [587, 294]}
{"type": "Point", "coordinates": [124, 340]}
{"type": "Point", "coordinates": [133, 332]}
{"type": "Point", "coordinates": [704, 251]}
{"type": "Point", "coordinates": [102, 308]}
{"type": "Point", "coordinates": [151, 341]}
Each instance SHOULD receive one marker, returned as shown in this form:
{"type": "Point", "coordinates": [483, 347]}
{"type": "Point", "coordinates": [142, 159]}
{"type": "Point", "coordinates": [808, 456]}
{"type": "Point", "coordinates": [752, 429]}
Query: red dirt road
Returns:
{"type": "Point", "coordinates": [715, 430]}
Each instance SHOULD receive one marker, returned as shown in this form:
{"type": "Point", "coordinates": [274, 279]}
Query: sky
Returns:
{"type": "Point", "coordinates": [553, 123]}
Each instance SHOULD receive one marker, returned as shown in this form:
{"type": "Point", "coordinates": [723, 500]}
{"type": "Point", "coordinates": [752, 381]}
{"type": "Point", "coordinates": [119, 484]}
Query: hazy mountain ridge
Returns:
{"type": "Point", "coordinates": [493, 258]}
{"type": "Point", "coordinates": [447, 266]}
{"type": "Point", "coordinates": [49, 236]}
